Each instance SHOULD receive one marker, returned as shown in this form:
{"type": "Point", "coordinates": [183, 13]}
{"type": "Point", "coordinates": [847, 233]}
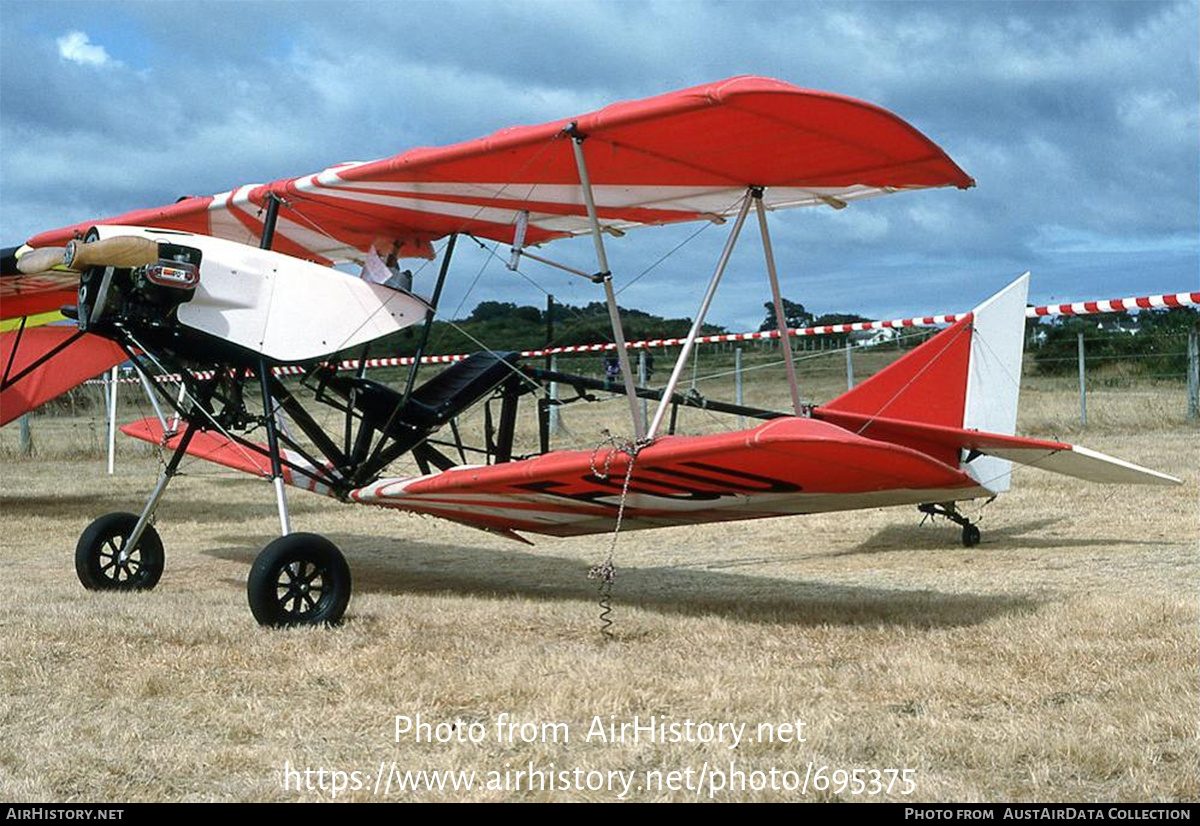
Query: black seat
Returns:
{"type": "Point", "coordinates": [436, 401]}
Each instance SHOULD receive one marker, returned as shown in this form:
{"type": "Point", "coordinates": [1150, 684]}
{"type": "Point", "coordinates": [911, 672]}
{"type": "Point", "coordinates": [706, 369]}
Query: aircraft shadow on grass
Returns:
{"type": "Point", "coordinates": [1026, 535]}
{"type": "Point", "coordinates": [406, 567]}
{"type": "Point", "coordinates": [64, 505]}
{"type": "Point", "coordinates": [83, 508]}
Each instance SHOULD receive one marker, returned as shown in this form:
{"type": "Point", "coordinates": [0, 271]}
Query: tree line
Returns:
{"type": "Point", "coordinates": [1152, 341]}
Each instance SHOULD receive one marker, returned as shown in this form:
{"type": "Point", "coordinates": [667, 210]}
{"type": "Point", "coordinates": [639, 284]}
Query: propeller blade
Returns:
{"type": "Point", "coordinates": [122, 251]}
{"type": "Point", "coordinates": [35, 261]}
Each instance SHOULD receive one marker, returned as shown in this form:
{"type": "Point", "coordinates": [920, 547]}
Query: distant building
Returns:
{"type": "Point", "coordinates": [1119, 324]}
{"type": "Point", "coordinates": [873, 338]}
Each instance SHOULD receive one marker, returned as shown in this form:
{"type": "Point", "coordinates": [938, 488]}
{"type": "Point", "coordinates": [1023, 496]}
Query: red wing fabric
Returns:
{"type": "Point", "coordinates": [682, 156]}
{"type": "Point", "coordinates": [25, 295]}
{"type": "Point", "coordinates": [84, 358]}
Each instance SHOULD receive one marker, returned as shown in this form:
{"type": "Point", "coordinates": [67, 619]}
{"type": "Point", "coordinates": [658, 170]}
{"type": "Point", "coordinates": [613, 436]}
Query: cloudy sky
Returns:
{"type": "Point", "coordinates": [1078, 120]}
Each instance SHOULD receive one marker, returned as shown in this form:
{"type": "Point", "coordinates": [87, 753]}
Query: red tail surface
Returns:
{"type": "Point", "coordinates": [955, 398]}
{"type": "Point", "coordinates": [967, 378]}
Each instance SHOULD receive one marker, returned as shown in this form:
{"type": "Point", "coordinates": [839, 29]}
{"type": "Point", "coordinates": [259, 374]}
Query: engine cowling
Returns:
{"type": "Point", "coordinates": [262, 301]}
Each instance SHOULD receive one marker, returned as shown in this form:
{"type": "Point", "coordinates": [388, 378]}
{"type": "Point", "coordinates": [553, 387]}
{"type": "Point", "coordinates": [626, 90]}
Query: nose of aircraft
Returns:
{"type": "Point", "coordinates": [8, 260]}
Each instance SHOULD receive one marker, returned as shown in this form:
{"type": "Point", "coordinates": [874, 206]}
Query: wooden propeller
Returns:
{"type": "Point", "coordinates": [123, 251]}
{"type": "Point", "coordinates": [36, 261]}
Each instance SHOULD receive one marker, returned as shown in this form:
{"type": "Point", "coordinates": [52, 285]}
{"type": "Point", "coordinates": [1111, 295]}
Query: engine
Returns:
{"type": "Point", "coordinates": [144, 296]}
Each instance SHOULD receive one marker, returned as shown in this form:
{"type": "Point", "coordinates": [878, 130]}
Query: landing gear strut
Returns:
{"type": "Point", "coordinates": [122, 551]}
{"type": "Point", "coordinates": [970, 531]}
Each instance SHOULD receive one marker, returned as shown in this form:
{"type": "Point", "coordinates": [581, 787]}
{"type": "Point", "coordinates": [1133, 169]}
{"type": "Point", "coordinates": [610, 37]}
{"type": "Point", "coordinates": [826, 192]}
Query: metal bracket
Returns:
{"type": "Point", "coordinates": [519, 239]}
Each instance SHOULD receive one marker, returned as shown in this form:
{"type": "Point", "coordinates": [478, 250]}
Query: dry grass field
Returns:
{"type": "Point", "coordinates": [1056, 661]}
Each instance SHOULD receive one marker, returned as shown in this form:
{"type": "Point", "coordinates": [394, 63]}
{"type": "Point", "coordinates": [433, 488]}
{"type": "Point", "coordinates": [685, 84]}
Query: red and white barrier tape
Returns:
{"type": "Point", "coordinates": [1113, 305]}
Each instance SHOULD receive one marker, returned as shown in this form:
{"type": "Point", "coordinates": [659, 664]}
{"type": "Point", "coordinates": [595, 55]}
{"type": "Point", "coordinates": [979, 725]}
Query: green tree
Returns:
{"type": "Point", "coordinates": [793, 311]}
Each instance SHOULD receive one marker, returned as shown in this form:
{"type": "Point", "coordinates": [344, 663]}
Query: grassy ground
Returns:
{"type": "Point", "coordinates": [1056, 661]}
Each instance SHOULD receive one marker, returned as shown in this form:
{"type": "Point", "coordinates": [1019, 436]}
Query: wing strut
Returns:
{"type": "Point", "coordinates": [264, 380]}
{"type": "Point", "coordinates": [686, 351]}
{"type": "Point", "coordinates": [785, 342]}
{"type": "Point", "coordinates": [42, 359]}
{"type": "Point", "coordinates": [605, 277]}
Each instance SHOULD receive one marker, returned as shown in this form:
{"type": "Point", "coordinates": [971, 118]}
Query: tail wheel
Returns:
{"type": "Point", "coordinates": [299, 579]}
{"type": "Point", "coordinates": [970, 536]}
{"type": "Point", "coordinates": [103, 563]}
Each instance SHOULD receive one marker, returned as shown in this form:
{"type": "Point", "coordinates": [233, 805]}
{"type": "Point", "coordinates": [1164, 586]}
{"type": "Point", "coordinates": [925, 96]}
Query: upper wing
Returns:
{"type": "Point", "coordinates": [681, 156]}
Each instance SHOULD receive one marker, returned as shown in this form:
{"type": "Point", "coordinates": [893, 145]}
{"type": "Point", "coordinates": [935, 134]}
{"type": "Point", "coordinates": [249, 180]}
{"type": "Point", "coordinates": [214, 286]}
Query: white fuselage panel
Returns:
{"type": "Point", "coordinates": [283, 307]}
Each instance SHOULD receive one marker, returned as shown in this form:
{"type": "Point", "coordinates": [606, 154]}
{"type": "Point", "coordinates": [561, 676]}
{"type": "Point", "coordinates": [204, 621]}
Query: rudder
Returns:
{"type": "Point", "coordinates": [994, 379]}
{"type": "Point", "coordinates": [968, 376]}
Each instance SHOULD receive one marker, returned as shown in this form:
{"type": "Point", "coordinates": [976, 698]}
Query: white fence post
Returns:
{"type": "Point", "coordinates": [112, 421]}
{"type": "Point", "coordinates": [849, 365]}
{"type": "Point", "coordinates": [554, 398]}
{"type": "Point", "coordinates": [1082, 385]}
{"type": "Point", "coordinates": [26, 447]}
{"type": "Point", "coordinates": [1193, 374]}
{"type": "Point", "coordinates": [737, 384]}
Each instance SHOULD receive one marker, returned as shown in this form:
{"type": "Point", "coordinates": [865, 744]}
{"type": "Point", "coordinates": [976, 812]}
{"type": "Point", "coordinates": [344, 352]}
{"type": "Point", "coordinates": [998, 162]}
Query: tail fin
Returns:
{"type": "Point", "coordinates": [994, 378]}
{"type": "Point", "coordinates": [997, 344]}
{"type": "Point", "coordinates": [955, 398]}
{"type": "Point", "coordinates": [966, 377]}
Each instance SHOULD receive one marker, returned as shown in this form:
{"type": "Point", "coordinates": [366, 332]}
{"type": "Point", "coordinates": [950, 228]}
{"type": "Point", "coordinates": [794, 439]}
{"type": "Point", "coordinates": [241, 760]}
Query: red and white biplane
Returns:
{"type": "Point", "coordinates": [222, 290]}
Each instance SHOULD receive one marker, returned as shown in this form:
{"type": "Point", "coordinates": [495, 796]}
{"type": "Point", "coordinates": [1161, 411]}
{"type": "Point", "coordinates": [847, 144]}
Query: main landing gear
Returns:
{"type": "Point", "coordinates": [121, 551]}
{"type": "Point", "coordinates": [105, 560]}
{"type": "Point", "coordinates": [298, 579]}
{"type": "Point", "coordinates": [970, 531]}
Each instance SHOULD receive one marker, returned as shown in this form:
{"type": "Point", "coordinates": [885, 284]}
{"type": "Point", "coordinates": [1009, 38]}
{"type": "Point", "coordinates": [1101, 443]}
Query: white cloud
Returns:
{"type": "Point", "coordinates": [77, 47]}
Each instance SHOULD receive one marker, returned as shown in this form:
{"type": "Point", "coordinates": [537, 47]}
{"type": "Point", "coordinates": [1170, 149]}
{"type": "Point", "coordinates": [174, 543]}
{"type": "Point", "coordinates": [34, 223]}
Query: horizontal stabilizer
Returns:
{"type": "Point", "coordinates": [1056, 457]}
{"type": "Point", "coordinates": [1082, 463]}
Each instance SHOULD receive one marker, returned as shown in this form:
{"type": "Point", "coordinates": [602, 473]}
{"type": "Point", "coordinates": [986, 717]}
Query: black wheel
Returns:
{"type": "Point", "coordinates": [299, 579]}
{"type": "Point", "coordinates": [970, 536]}
{"type": "Point", "coordinates": [102, 563]}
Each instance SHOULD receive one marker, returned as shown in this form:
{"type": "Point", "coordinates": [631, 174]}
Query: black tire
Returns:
{"type": "Point", "coordinates": [970, 536]}
{"type": "Point", "coordinates": [299, 579]}
{"type": "Point", "coordinates": [98, 560]}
